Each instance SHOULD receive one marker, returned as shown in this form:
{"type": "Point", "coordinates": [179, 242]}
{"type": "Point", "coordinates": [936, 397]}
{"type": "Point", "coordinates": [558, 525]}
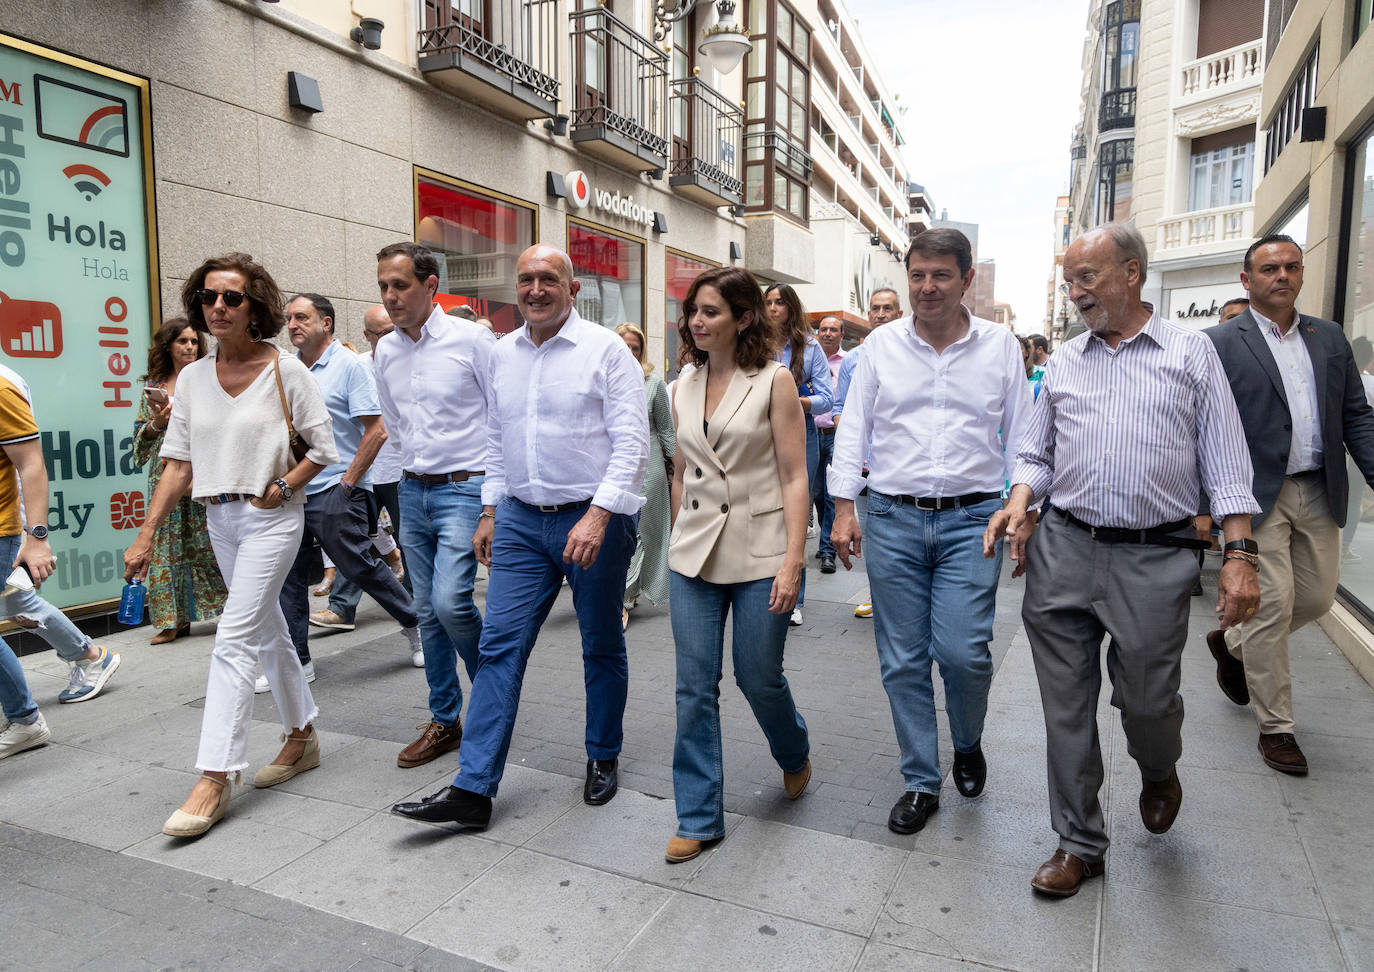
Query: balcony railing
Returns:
{"type": "Point", "coordinates": [1220, 228]}
{"type": "Point", "coordinates": [620, 91]}
{"type": "Point", "coordinates": [1078, 148]}
{"type": "Point", "coordinates": [1117, 109]}
{"type": "Point", "coordinates": [1238, 67]}
{"type": "Point", "coordinates": [706, 138]}
{"type": "Point", "coordinates": [507, 60]}
{"type": "Point", "coordinates": [786, 152]}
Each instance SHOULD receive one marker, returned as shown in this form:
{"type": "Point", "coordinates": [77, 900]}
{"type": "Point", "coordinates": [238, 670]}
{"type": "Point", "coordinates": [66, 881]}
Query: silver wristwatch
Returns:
{"type": "Point", "coordinates": [285, 489]}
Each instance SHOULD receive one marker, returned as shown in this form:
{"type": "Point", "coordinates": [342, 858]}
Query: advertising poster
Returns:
{"type": "Point", "coordinates": [78, 275]}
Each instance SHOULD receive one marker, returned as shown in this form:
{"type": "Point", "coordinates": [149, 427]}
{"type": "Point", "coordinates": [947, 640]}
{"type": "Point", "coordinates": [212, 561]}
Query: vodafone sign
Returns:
{"type": "Point", "coordinates": [581, 195]}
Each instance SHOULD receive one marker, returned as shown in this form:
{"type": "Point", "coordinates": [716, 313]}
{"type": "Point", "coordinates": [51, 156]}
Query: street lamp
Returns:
{"type": "Point", "coordinates": [723, 44]}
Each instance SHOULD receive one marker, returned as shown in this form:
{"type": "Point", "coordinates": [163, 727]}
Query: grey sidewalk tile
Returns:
{"type": "Point", "coordinates": [1338, 809]}
{"type": "Point", "coordinates": [626, 836]}
{"type": "Point", "coordinates": [1336, 717]}
{"type": "Point", "coordinates": [584, 916]}
{"type": "Point", "coordinates": [53, 772]}
{"type": "Point", "coordinates": [1358, 945]}
{"type": "Point", "coordinates": [114, 815]}
{"type": "Point", "coordinates": [890, 958]}
{"type": "Point", "coordinates": [161, 738]}
{"type": "Point", "coordinates": [694, 933]}
{"type": "Point", "coordinates": [1217, 864]}
{"type": "Point", "coordinates": [274, 807]}
{"type": "Point", "coordinates": [820, 879]}
{"type": "Point", "coordinates": [1230, 746]}
{"type": "Point", "coordinates": [28, 946]}
{"type": "Point", "coordinates": [979, 912]}
{"type": "Point", "coordinates": [995, 828]}
{"type": "Point", "coordinates": [364, 774]}
{"type": "Point", "coordinates": [438, 960]}
{"type": "Point", "coordinates": [1345, 877]}
{"type": "Point", "coordinates": [387, 872]}
{"type": "Point", "coordinates": [1147, 932]}
{"type": "Point", "coordinates": [238, 848]}
{"type": "Point", "coordinates": [1241, 801]}
{"type": "Point", "coordinates": [528, 801]}
{"type": "Point", "coordinates": [1337, 759]}
{"type": "Point", "coordinates": [54, 911]}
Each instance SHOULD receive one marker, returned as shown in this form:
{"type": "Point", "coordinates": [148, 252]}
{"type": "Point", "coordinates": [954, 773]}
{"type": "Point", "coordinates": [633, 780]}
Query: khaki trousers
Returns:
{"type": "Point", "coordinates": [1300, 560]}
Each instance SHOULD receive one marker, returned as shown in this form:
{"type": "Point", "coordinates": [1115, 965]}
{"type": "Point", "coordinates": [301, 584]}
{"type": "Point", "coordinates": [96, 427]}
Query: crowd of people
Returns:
{"type": "Point", "coordinates": [558, 456]}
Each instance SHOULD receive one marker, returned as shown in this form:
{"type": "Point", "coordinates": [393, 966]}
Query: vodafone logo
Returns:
{"type": "Point", "coordinates": [579, 189]}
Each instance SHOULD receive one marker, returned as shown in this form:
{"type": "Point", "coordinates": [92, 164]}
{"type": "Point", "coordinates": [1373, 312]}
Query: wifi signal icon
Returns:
{"type": "Point", "coordinates": [87, 180]}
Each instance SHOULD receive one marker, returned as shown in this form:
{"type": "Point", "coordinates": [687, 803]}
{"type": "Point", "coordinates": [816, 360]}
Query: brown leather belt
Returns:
{"type": "Point", "coordinates": [825, 429]}
{"type": "Point", "coordinates": [434, 479]}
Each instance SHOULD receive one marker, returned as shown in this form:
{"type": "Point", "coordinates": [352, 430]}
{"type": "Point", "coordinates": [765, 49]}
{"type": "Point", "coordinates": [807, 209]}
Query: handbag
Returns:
{"type": "Point", "coordinates": [299, 447]}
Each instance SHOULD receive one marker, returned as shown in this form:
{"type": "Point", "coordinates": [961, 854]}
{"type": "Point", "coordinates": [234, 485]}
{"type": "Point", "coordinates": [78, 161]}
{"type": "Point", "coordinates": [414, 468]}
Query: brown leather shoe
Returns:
{"type": "Point", "coordinates": [1061, 875]}
{"type": "Point", "coordinates": [1230, 669]}
{"type": "Point", "coordinates": [434, 741]}
{"type": "Point", "coordinates": [1159, 802]}
{"type": "Point", "coordinates": [795, 783]}
{"type": "Point", "coordinates": [1280, 750]}
{"type": "Point", "coordinates": [681, 849]}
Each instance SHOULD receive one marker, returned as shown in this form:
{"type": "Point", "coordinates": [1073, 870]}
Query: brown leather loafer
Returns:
{"type": "Point", "coordinates": [434, 741]}
{"type": "Point", "coordinates": [1280, 750]}
{"type": "Point", "coordinates": [1061, 875]}
{"type": "Point", "coordinates": [1159, 803]}
{"type": "Point", "coordinates": [1230, 669]}
{"type": "Point", "coordinates": [794, 784]}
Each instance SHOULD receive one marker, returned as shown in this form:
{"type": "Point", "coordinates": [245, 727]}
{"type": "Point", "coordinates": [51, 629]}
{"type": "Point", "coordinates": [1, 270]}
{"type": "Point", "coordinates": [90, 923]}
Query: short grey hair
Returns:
{"type": "Point", "coordinates": [1129, 243]}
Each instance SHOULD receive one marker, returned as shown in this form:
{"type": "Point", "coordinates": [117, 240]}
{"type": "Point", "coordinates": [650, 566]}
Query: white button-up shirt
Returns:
{"type": "Point", "coordinates": [566, 420]}
{"type": "Point", "coordinates": [386, 468]}
{"type": "Point", "coordinates": [940, 422]}
{"type": "Point", "coordinates": [1299, 386]}
{"type": "Point", "coordinates": [434, 393]}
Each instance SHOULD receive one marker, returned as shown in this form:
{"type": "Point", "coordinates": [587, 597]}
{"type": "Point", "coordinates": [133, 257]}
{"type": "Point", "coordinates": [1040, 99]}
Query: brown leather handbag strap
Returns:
{"type": "Point", "coordinates": [281, 391]}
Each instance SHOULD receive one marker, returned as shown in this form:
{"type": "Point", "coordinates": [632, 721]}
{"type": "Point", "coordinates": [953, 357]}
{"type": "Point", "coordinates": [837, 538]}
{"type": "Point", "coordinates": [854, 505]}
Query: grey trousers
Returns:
{"type": "Point", "coordinates": [1077, 590]}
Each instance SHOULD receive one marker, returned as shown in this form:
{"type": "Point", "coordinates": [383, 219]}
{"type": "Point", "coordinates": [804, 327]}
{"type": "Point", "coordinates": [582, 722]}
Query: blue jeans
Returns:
{"type": "Point", "coordinates": [934, 597]}
{"type": "Point", "coordinates": [698, 612]}
{"type": "Point", "coordinates": [53, 627]}
{"type": "Point", "coordinates": [527, 571]}
{"type": "Point", "coordinates": [437, 524]}
{"type": "Point", "coordinates": [820, 495]}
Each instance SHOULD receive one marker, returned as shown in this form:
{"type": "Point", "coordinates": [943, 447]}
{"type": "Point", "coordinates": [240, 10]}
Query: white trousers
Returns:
{"type": "Point", "coordinates": [254, 549]}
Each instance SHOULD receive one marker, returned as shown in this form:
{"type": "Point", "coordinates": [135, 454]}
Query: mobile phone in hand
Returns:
{"type": "Point", "coordinates": [158, 396]}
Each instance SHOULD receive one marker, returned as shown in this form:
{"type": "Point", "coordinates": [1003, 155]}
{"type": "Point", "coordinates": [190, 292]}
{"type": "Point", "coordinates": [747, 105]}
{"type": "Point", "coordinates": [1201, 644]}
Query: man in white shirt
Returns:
{"type": "Point", "coordinates": [432, 381]}
{"type": "Point", "coordinates": [940, 394]}
{"type": "Point", "coordinates": [567, 448]}
{"type": "Point", "coordinates": [830, 333]}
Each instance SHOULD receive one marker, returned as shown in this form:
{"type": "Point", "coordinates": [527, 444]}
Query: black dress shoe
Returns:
{"type": "Point", "coordinates": [602, 782]}
{"type": "Point", "coordinates": [1159, 803]}
{"type": "Point", "coordinates": [970, 771]}
{"type": "Point", "coordinates": [1230, 670]}
{"type": "Point", "coordinates": [1197, 588]}
{"type": "Point", "coordinates": [828, 564]}
{"type": "Point", "coordinates": [470, 811]}
{"type": "Point", "coordinates": [909, 814]}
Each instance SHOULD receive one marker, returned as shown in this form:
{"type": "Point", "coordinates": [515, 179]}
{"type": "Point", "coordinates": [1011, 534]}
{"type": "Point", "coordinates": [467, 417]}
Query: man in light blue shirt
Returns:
{"type": "Point", "coordinates": [340, 510]}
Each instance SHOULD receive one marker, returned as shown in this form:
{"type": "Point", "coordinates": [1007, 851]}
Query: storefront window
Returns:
{"type": "Point", "coordinates": [1357, 539]}
{"type": "Point", "coordinates": [610, 269]}
{"type": "Point", "coordinates": [680, 271]}
{"type": "Point", "coordinates": [479, 237]}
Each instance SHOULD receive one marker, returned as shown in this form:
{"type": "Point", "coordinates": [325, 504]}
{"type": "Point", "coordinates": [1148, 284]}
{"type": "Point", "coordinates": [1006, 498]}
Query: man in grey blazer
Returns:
{"type": "Point", "coordinates": [1296, 383]}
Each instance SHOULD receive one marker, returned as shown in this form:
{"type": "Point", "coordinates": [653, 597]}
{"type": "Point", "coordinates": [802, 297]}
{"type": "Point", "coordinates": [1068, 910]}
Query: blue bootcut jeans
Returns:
{"type": "Point", "coordinates": [699, 610]}
{"type": "Point", "coordinates": [934, 597]}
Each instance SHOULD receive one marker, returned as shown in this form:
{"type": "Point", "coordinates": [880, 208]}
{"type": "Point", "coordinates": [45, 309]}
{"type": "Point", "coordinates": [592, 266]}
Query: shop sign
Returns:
{"type": "Point", "coordinates": [581, 195]}
{"type": "Point", "coordinates": [78, 277]}
{"type": "Point", "coordinates": [1201, 306]}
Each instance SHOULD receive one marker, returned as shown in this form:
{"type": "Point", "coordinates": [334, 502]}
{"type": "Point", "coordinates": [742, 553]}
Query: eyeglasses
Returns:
{"type": "Point", "coordinates": [232, 298]}
{"type": "Point", "coordinates": [377, 334]}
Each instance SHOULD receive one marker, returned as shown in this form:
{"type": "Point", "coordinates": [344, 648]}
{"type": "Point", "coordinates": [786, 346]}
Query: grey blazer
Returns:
{"type": "Point", "coordinates": [1345, 418]}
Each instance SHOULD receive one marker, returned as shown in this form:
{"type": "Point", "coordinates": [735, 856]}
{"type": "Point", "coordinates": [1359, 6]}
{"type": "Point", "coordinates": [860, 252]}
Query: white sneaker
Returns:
{"type": "Point", "coordinates": [417, 652]}
{"type": "Point", "coordinates": [796, 618]}
{"type": "Point", "coordinates": [261, 685]}
{"type": "Point", "coordinates": [16, 738]}
{"type": "Point", "coordinates": [88, 676]}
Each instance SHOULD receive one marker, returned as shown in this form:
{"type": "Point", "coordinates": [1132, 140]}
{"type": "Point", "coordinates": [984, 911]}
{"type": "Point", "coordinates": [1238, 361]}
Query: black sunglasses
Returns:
{"type": "Point", "coordinates": [232, 298]}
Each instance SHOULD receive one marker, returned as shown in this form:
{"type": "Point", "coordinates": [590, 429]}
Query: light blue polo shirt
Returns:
{"type": "Point", "coordinates": [350, 392]}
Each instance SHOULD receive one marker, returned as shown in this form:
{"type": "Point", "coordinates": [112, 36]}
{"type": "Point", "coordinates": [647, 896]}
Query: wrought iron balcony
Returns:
{"type": "Point", "coordinates": [1117, 110]}
{"type": "Point", "coordinates": [706, 136]}
{"type": "Point", "coordinates": [507, 60]}
{"type": "Point", "coordinates": [1078, 148]}
{"type": "Point", "coordinates": [620, 92]}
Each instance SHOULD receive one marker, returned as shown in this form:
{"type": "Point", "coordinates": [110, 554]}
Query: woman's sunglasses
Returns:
{"type": "Point", "coordinates": [232, 298]}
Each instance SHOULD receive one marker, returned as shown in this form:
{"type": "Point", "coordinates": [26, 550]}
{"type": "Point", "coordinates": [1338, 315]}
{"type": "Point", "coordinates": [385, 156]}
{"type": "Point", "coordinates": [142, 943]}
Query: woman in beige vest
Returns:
{"type": "Point", "coordinates": [739, 507]}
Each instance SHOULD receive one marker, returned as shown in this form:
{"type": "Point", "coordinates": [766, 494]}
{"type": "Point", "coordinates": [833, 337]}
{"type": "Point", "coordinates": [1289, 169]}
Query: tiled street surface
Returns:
{"type": "Point", "coordinates": [1261, 871]}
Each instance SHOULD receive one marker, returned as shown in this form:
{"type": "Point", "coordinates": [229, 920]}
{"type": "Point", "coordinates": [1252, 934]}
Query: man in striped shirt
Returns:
{"type": "Point", "coordinates": [1134, 416]}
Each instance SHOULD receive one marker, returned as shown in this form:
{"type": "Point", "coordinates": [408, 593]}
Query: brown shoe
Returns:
{"type": "Point", "coordinates": [681, 849]}
{"type": "Point", "coordinates": [168, 635]}
{"type": "Point", "coordinates": [1061, 875]}
{"type": "Point", "coordinates": [1230, 669]}
{"type": "Point", "coordinates": [1159, 803]}
{"type": "Point", "coordinates": [434, 741]}
{"type": "Point", "coordinates": [1280, 750]}
{"type": "Point", "coordinates": [795, 783]}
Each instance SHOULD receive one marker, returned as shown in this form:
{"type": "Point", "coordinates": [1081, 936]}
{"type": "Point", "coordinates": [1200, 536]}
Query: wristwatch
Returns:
{"type": "Point", "coordinates": [39, 532]}
{"type": "Point", "coordinates": [1244, 546]}
{"type": "Point", "coordinates": [285, 489]}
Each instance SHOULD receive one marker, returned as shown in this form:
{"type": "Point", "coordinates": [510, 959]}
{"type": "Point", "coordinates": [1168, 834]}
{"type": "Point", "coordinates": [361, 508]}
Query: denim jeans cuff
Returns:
{"type": "Point", "coordinates": [690, 836]}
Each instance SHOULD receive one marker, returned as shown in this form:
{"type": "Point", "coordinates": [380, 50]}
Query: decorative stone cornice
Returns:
{"type": "Point", "coordinates": [1216, 116]}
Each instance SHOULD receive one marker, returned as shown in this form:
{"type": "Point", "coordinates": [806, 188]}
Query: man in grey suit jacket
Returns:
{"type": "Point", "coordinates": [1302, 404]}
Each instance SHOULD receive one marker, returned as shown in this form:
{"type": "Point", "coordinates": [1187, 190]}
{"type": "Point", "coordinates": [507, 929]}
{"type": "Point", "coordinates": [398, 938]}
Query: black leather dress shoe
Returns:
{"type": "Point", "coordinates": [970, 771]}
{"type": "Point", "coordinates": [470, 811]}
{"type": "Point", "coordinates": [1230, 670]}
{"type": "Point", "coordinates": [909, 814]}
{"type": "Point", "coordinates": [1159, 803]}
{"type": "Point", "coordinates": [602, 782]}
{"type": "Point", "coordinates": [828, 564]}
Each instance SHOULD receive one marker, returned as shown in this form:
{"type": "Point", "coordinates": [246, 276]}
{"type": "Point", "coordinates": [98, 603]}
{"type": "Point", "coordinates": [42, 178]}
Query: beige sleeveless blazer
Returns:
{"type": "Point", "coordinates": [730, 526]}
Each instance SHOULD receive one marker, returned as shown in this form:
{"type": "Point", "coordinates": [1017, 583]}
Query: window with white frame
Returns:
{"type": "Point", "coordinates": [1221, 177]}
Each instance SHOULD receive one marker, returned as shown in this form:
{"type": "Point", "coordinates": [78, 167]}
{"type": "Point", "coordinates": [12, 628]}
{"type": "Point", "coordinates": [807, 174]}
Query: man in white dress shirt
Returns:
{"type": "Point", "coordinates": [941, 394]}
{"type": "Point", "coordinates": [567, 448]}
{"type": "Point", "coordinates": [432, 381]}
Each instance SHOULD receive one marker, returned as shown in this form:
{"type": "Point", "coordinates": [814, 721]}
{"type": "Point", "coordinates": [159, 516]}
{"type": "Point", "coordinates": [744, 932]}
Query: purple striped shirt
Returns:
{"type": "Point", "coordinates": [1125, 438]}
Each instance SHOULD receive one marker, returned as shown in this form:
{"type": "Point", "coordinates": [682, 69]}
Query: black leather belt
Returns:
{"type": "Point", "coordinates": [825, 429]}
{"type": "Point", "coordinates": [1318, 473]}
{"type": "Point", "coordinates": [434, 479]}
{"type": "Point", "coordinates": [557, 507]}
{"type": "Point", "coordinates": [1160, 536]}
{"type": "Point", "coordinates": [946, 502]}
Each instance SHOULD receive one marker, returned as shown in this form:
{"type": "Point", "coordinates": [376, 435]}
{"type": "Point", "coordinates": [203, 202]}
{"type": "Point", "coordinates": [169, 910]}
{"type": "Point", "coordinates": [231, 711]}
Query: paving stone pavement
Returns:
{"type": "Point", "coordinates": [1261, 871]}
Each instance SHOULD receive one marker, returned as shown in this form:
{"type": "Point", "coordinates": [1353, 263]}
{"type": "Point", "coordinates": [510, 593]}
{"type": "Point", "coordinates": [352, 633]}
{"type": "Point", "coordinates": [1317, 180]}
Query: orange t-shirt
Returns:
{"type": "Point", "coordinates": [16, 425]}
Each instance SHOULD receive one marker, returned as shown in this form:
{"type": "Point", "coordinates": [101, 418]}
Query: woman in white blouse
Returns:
{"type": "Point", "coordinates": [228, 442]}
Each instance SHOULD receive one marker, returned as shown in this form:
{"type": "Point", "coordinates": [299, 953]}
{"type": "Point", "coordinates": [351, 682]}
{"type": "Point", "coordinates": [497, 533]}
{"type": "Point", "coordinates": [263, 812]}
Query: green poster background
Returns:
{"type": "Point", "coordinates": [77, 275]}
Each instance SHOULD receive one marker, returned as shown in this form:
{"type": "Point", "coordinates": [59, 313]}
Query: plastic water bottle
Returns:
{"type": "Point", "coordinates": [131, 603]}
